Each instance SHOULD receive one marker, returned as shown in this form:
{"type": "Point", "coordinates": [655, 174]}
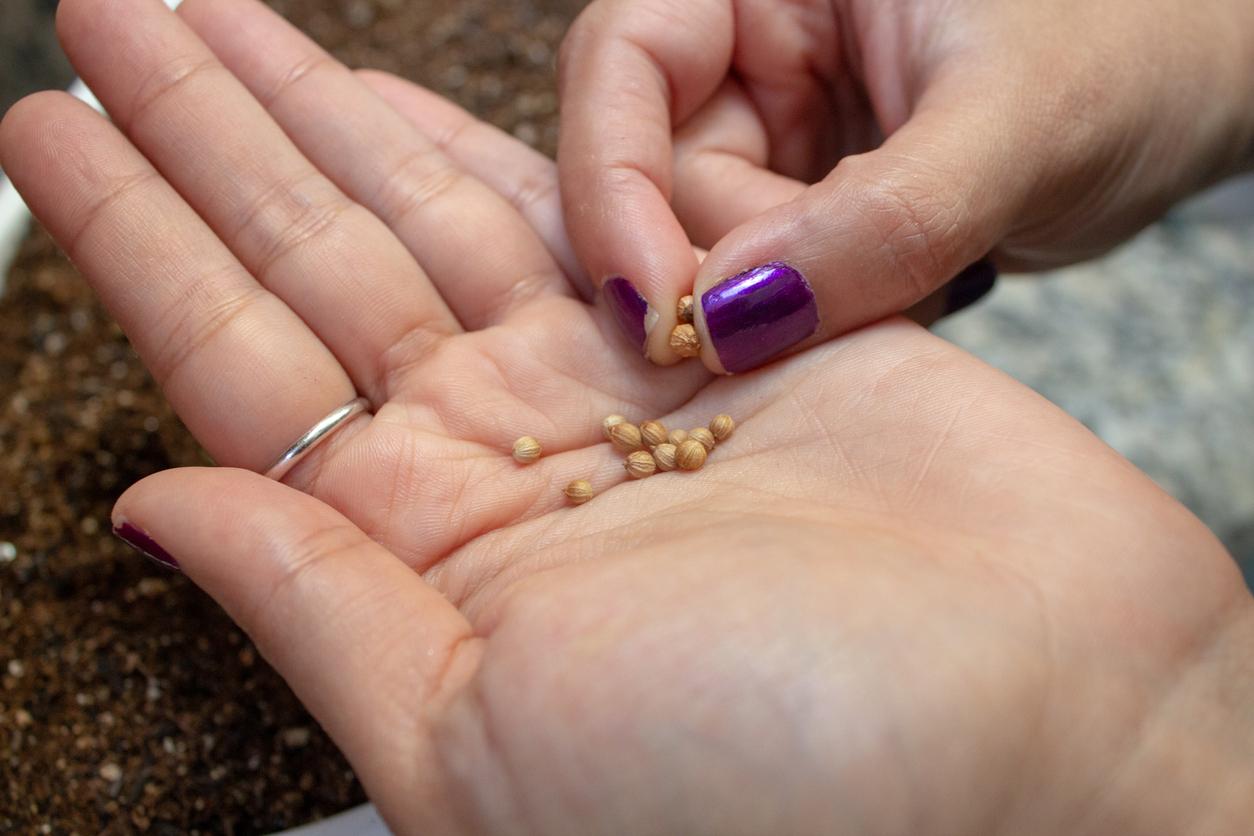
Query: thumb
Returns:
{"type": "Point", "coordinates": [368, 647]}
{"type": "Point", "coordinates": [883, 231]}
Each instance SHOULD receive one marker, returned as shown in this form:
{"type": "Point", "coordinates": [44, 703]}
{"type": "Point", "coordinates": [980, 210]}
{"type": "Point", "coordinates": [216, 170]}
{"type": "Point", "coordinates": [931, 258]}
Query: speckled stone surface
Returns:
{"type": "Point", "coordinates": [1152, 347]}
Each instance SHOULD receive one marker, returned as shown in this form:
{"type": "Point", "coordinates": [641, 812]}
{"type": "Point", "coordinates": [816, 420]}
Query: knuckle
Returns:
{"type": "Point", "coordinates": [419, 181]}
{"type": "Point", "coordinates": [307, 66]}
{"type": "Point", "coordinates": [322, 546]}
{"type": "Point", "coordinates": [915, 223]}
{"type": "Point", "coordinates": [167, 80]}
{"type": "Point", "coordinates": [199, 317]}
{"type": "Point", "coordinates": [287, 215]}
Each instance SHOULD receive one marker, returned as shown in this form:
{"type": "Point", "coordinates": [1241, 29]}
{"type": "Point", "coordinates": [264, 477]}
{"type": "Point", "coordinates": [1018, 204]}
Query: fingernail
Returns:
{"type": "Point", "coordinates": [758, 315]}
{"type": "Point", "coordinates": [140, 541]}
{"type": "Point", "coordinates": [970, 286]}
{"type": "Point", "coordinates": [629, 308]}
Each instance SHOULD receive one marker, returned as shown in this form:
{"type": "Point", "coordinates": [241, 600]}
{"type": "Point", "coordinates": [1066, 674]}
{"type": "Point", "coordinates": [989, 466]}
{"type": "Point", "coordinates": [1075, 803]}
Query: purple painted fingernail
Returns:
{"type": "Point", "coordinates": [970, 286]}
{"type": "Point", "coordinates": [758, 315]}
{"type": "Point", "coordinates": [140, 541]}
{"type": "Point", "coordinates": [629, 308]}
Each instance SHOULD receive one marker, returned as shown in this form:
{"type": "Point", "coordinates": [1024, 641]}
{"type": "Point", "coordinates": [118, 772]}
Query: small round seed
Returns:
{"type": "Point", "coordinates": [664, 455]}
{"type": "Point", "coordinates": [625, 437]}
{"type": "Point", "coordinates": [704, 436]}
{"type": "Point", "coordinates": [579, 492]}
{"type": "Point", "coordinates": [609, 422]}
{"type": "Point", "coordinates": [652, 433]}
{"type": "Point", "coordinates": [722, 426]}
{"type": "Point", "coordinates": [690, 455]}
{"type": "Point", "coordinates": [684, 341]}
{"type": "Point", "coordinates": [684, 310]}
{"type": "Point", "coordinates": [526, 450]}
{"type": "Point", "coordinates": [677, 437]}
{"type": "Point", "coordinates": [640, 464]}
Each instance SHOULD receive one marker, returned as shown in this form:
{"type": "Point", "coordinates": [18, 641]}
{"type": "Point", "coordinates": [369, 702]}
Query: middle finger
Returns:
{"type": "Point", "coordinates": [482, 255]}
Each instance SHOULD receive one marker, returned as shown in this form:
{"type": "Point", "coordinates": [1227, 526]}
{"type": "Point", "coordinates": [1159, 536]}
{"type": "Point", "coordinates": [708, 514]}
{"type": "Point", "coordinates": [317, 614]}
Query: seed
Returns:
{"type": "Point", "coordinates": [677, 437]}
{"type": "Point", "coordinates": [684, 341]}
{"type": "Point", "coordinates": [579, 492]}
{"type": "Point", "coordinates": [721, 427]}
{"type": "Point", "coordinates": [664, 455]}
{"type": "Point", "coordinates": [704, 436]}
{"type": "Point", "coordinates": [625, 437]}
{"type": "Point", "coordinates": [690, 455]}
{"type": "Point", "coordinates": [526, 450]}
{"type": "Point", "coordinates": [652, 433]}
{"type": "Point", "coordinates": [684, 310]}
{"type": "Point", "coordinates": [610, 421]}
{"type": "Point", "coordinates": [640, 464]}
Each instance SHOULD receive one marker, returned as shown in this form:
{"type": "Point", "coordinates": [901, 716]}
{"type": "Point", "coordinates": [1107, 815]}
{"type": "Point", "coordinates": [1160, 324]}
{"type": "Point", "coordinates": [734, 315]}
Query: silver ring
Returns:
{"type": "Point", "coordinates": [316, 435]}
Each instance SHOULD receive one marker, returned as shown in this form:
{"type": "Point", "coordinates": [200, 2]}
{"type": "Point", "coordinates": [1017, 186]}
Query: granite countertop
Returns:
{"type": "Point", "coordinates": [1152, 347]}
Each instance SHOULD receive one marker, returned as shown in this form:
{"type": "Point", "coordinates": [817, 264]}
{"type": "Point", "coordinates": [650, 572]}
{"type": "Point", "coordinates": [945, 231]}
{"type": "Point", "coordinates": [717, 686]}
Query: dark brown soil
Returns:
{"type": "Point", "coordinates": [129, 702]}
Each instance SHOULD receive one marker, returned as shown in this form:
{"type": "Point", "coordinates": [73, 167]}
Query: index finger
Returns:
{"type": "Point", "coordinates": [630, 71]}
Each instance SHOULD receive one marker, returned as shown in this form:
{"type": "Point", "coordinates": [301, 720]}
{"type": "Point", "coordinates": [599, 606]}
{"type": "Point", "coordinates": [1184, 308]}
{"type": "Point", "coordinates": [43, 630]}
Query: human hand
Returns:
{"type": "Point", "coordinates": [1042, 132]}
{"type": "Point", "coordinates": [907, 595]}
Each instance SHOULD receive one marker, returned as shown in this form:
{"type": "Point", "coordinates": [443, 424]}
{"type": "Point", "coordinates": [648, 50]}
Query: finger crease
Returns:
{"type": "Point", "coordinates": [203, 324]}
{"type": "Point", "coordinates": [114, 192]}
{"type": "Point", "coordinates": [163, 81]}
{"type": "Point", "coordinates": [300, 70]}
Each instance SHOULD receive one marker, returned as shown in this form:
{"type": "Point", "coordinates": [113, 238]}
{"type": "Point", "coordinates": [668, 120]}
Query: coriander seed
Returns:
{"type": "Point", "coordinates": [626, 437]}
{"type": "Point", "coordinates": [652, 433]}
{"type": "Point", "coordinates": [690, 455]}
{"type": "Point", "coordinates": [526, 450]}
{"type": "Point", "coordinates": [677, 437]}
{"type": "Point", "coordinates": [609, 422]}
{"type": "Point", "coordinates": [640, 464]}
{"type": "Point", "coordinates": [579, 492]}
{"type": "Point", "coordinates": [704, 436]}
{"type": "Point", "coordinates": [722, 426]}
{"type": "Point", "coordinates": [664, 455]}
{"type": "Point", "coordinates": [684, 310]}
{"type": "Point", "coordinates": [684, 341]}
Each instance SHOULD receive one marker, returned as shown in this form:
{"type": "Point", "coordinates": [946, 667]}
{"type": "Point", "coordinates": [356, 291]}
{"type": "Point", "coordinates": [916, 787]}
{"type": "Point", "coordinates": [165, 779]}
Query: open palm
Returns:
{"type": "Point", "coordinates": [908, 596]}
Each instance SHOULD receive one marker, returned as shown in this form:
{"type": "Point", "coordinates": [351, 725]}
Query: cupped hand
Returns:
{"type": "Point", "coordinates": [880, 148]}
{"type": "Point", "coordinates": [906, 596]}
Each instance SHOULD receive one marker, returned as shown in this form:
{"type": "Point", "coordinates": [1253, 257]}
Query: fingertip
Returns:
{"type": "Point", "coordinates": [35, 132]}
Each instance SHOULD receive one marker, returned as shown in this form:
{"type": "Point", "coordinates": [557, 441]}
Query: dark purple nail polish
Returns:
{"type": "Point", "coordinates": [970, 286]}
{"type": "Point", "coordinates": [141, 542]}
{"type": "Point", "coordinates": [758, 315]}
{"type": "Point", "coordinates": [629, 308]}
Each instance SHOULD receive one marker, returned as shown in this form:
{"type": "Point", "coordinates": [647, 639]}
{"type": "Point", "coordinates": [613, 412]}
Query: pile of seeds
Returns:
{"type": "Point", "coordinates": [649, 447]}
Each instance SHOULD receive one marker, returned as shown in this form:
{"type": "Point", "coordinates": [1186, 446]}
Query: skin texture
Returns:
{"type": "Point", "coordinates": [881, 146]}
{"type": "Point", "coordinates": [907, 596]}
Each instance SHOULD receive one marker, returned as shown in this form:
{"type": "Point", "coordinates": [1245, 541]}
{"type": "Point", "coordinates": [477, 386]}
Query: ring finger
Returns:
{"type": "Point", "coordinates": [243, 371]}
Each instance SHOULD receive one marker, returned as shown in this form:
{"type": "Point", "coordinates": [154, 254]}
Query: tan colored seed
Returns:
{"type": "Point", "coordinates": [690, 455]}
{"type": "Point", "coordinates": [722, 426]}
{"type": "Point", "coordinates": [579, 492]}
{"type": "Point", "coordinates": [684, 341]}
{"type": "Point", "coordinates": [609, 422]}
{"type": "Point", "coordinates": [626, 437]}
{"type": "Point", "coordinates": [664, 455]}
{"type": "Point", "coordinates": [684, 310]}
{"type": "Point", "coordinates": [526, 450]}
{"type": "Point", "coordinates": [677, 437]}
{"type": "Point", "coordinates": [652, 433]}
{"type": "Point", "coordinates": [640, 464]}
{"type": "Point", "coordinates": [704, 436]}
